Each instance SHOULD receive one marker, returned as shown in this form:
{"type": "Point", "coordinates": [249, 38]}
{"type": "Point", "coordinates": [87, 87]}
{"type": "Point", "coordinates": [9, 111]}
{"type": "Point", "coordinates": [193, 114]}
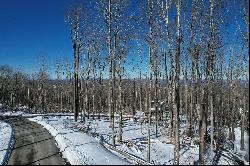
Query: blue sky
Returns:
{"type": "Point", "coordinates": [29, 28]}
{"type": "Point", "coordinates": [33, 27]}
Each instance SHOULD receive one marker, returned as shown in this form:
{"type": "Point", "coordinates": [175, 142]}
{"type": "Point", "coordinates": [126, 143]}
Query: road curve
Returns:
{"type": "Point", "coordinates": [33, 144]}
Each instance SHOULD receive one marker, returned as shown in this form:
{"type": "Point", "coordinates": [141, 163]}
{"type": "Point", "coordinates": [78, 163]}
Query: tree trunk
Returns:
{"type": "Point", "coordinates": [150, 24]}
{"type": "Point", "coordinates": [242, 145]}
{"type": "Point", "coordinates": [212, 127]}
{"type": "Point", "coordinates": [76, 95]}
{"type": "Point", "coordinates": [120, 105]}
{"type": "Point", "coordinates": [93, 94]}
{"type": "Point", "coordinates": [177, 86]}
{"type": "Point", "coordinates": [110, 62]}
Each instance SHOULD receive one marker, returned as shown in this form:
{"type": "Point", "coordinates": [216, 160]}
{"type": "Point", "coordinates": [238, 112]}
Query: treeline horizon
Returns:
{"type": "Point", "coordinates": [29, 77]}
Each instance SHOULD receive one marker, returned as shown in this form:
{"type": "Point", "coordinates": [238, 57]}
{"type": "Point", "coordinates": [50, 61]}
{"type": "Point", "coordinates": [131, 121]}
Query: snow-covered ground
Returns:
{"type": "Point", "coordinates": [135, 141]}
{"type": "Point", "coordinates": [77, 147]}
{"type": "Point", "coordinates": [25, 113]}
{"type": "Point", "coordinates": [237, 144]}
{"type": "Point", "coordinates": [80, 151]}
{"type": "Point", "coordinates": [81, 148]}
{"type": "Point", "coordinates": [6, 142]}
{"type": "Point", "coordinates": [10, 113]}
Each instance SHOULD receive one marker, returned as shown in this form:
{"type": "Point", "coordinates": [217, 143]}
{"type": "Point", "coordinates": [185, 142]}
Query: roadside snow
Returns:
{"type": "Point", "coordinates": [6, 142]}
{"type": "Point", "coordinates": [80, 148]}
{"type": "Point", "coordinates": [77, 147]}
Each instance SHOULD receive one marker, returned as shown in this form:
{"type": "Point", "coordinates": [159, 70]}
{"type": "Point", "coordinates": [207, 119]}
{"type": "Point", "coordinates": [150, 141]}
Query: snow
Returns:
{"type": "Point", "coordinates": [135, 142]}
{"type": "Point", "coordinates": [77, 147]}
{"type": "Point", "coordinates": [9, 113]}
{"type": "Point", "coordinates": [237, 132]}
{"type": "Point", "coordinates": [80, 148]}
{"type": "Point", "coordinates": [22, 111]}
{"type": "Point", "coordinates": [162, 150]}
{"type": "Point", "coordinates": [85, 148]}
{"type": "Point", "coordinates": [6, 142]}
{"type": "Point", "coordinates": [242, 154]}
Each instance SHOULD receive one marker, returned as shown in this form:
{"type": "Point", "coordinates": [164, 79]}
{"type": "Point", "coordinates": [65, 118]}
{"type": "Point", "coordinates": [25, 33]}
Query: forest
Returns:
{"type": "Point", "coordinates": [182, 65]}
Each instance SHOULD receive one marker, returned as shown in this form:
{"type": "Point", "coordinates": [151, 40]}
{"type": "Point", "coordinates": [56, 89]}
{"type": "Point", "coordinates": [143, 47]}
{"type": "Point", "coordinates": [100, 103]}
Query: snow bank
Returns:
{"type": "Point", "coordinates": [77, 147]}
{"type": "Point", "coordinates": [6, 142]}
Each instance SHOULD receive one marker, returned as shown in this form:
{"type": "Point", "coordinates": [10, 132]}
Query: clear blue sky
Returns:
{"type": "Point", "coordinates": [32, 27]}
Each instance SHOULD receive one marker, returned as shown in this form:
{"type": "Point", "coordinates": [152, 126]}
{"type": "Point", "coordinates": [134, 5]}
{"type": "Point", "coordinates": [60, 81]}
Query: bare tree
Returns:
{"type": "Point", "coordinates": [74, 18]}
